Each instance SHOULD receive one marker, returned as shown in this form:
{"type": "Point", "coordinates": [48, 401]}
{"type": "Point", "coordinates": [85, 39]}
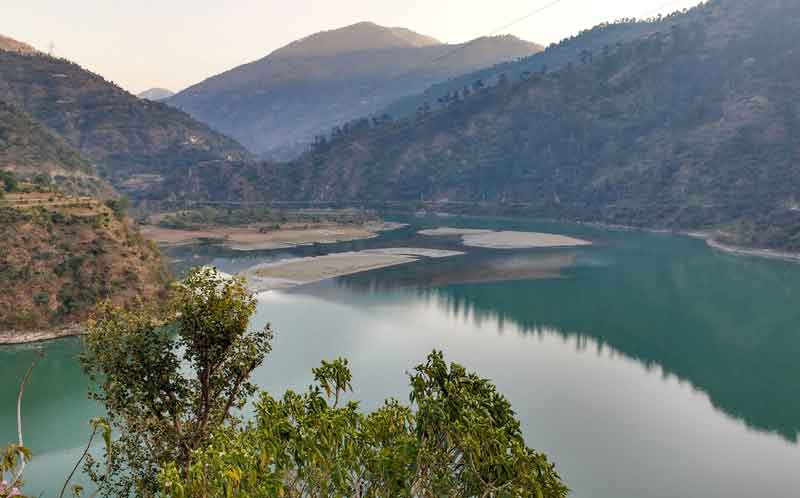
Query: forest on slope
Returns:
{"type": "Point", "coordinates": [695, 126]}
{"type": "Point", "coordinates": [122, 136]}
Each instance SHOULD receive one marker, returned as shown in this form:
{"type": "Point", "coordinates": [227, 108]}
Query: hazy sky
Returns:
{"type": "Point", "coordinates": [175, 43]}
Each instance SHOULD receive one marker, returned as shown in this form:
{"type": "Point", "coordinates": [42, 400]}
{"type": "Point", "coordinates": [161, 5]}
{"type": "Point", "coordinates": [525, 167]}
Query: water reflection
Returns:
{"type": "Point", "coordinates": [728, 325]}
{"type": "Point", "coordinates": [55, 409]}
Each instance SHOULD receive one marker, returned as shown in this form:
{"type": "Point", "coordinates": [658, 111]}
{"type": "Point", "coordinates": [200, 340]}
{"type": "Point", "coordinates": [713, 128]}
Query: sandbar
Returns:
{"type": "Point", "coordinates": [521, 240]}
{"type": "Point", "coordinates": [489, 239]}
{"type": "Point", "coordinates": [448, 232]}
{"type": "Point", "coordinates": [298, 271]}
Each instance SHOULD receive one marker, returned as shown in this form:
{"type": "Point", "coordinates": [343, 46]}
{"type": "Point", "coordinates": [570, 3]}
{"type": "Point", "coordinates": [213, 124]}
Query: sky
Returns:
{"type": "Point", "coordinates": [176, 43]}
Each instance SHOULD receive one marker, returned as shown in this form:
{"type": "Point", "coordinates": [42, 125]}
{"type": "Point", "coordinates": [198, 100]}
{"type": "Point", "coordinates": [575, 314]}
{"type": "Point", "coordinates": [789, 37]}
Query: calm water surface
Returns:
{"type": "Point", "coordinates": [645, 365]}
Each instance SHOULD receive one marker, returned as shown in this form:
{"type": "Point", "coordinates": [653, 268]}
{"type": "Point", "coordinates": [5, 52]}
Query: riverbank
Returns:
{"type": "Point", "coordinates": [744, 251]}
{"type": "Point", "coordinates": [709, 238]}
{"type": "Point", "coordinates": [261, 236]}
{"type": "Point", "coordinates": [9, 337]}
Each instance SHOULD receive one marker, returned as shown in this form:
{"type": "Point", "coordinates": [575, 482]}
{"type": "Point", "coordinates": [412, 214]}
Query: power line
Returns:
{"type": "Point", "coordinates": [516, 21]}
{"type": "Point", "coordinates": [494, 32]}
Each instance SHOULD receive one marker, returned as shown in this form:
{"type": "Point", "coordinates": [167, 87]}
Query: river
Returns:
{"type": "Point", "coordinates": [645, 365]}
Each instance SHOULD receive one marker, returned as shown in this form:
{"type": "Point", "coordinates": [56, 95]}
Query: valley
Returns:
{"type": "Point", "coordinates": [365, 261]}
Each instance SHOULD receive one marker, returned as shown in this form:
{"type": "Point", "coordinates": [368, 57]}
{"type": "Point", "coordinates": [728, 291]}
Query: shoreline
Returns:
{"type": "Point", "coordinates": [254, 238]}
{"type": "Point", "coordinates": [791, 257]}
{"type": "Point", "coordinates": [709, 239]}
{"type": "Point", "coordinates": [11, 338]}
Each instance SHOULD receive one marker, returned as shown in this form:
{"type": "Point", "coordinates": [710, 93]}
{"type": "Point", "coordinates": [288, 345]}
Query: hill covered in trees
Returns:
{"type": "Point", "coordinates": [276, 105]}
{"type": "Point", "coordinates": [29, 151]}
{"type": "Point", "coordinates": [132, 142]}
{"type": "Point", "coordinates": [555, 57]}
{"type": "Point", "coordinates": [25, 143]}
{"type": "Point", "coordinates": [694, 126]}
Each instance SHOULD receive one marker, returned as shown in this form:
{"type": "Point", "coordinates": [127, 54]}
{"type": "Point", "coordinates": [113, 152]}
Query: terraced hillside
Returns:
{"type": "Point", "coordinates": [59, 255]}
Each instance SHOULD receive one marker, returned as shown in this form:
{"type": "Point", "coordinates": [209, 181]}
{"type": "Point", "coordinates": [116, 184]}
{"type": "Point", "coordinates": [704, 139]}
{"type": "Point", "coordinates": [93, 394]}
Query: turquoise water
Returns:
{"type": "Point", "coordinates": [646, 365]}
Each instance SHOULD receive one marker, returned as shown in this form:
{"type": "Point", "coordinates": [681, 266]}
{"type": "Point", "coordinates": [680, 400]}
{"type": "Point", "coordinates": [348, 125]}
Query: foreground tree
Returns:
{"type": "Point", "coordinates": [172, 383]}
{"type": "Point", "coordinates": [459, 438]}
{"type": "Point", "coordinates": [170, 380]}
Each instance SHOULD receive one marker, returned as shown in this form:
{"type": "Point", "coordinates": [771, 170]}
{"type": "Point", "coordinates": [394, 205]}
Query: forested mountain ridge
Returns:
{"type": "Point", "coordinates": [31, 152]}
{"type": "Point", "coordinates": [696, 126]}
{"type": "Point", "coordinates": [553, 58]}
{"type": "Point", "coordinates": [132, 142]}
{"type": "Point", "coordinates": [25, 144]}
{"type": "Point", "coordinates": [276, 105]}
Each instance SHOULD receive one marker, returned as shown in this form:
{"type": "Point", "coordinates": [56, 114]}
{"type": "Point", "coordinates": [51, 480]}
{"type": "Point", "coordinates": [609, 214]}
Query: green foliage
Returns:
{"type": "Point", "coordinates": [41, 298]}
{"type": "Point", "coordinates": [12, 460]}
{"type": "Point", "coordinates": [9, 181]}
{"type": "Point", "coordinates": [459, 438]}
{"type": "Point", "coordinates": [169, 382]}
{"type": "Point", "coordinates": [119, 206]}
{"type": "Point", "coordinates": [334, 378]}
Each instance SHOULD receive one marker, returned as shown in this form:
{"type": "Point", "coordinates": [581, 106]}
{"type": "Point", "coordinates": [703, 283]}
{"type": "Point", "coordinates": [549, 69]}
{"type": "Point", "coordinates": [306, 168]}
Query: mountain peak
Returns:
{"type": "Point", "coordinates": [156, 94]}
{"type": "Point", "coordinates": [13, 45]}
{"type": "Point", "coordinates": [357, 37]}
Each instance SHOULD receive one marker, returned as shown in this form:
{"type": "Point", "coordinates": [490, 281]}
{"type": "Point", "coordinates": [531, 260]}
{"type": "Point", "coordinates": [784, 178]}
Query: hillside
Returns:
{"type": "Point", "coordinates": [276, 105]}
{"type": "Point", "coordinates": [553, 58]}
{"type": "Point", "coordinates": [60, 255]}
{"type": "Point", "coordinates": [696, 126]}
{"type": "Point", "coordinates": [132, 142]}
{"type": "Point", "coordinates": [156, 94]}
{"type": "Point", "coordinates": [13, 45]}
{"type": "Point", "coordinates": [29, 151]}
{"type": "Point", "coordinates": [65, 241]}
{"type": "Point", "coordinates": [24, 144]}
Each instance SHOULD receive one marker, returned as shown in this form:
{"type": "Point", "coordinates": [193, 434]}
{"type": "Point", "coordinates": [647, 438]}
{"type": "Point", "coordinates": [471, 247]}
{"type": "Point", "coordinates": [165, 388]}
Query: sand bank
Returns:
{"type": "Point", "coordinates": [506, 240]}
{"type": "Point", "coordinates": [261, 237]}
{"type": "Point", "coordinates": [30, 336]}
{"type": "Point", "coordinates": [449, 232]}
{"type": "Point", "coordinates": [299, 271]}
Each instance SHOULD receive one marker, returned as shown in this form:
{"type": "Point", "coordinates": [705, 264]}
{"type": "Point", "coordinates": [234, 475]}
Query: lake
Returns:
{"type": "Point", "coordinates": [646, 365]}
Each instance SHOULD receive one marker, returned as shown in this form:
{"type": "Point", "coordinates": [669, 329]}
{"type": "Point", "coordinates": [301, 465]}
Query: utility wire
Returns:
{"type": "Point", "coordinates": [516, 21]}
{"type": "Point", "coordinates": [497, 30]}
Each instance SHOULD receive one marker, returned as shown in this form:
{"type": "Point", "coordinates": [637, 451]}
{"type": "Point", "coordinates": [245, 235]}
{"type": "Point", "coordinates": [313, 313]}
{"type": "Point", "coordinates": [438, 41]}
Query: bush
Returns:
{"type": "Point", "coordinates": [119, 206]}
{"type": "Point", "coordinates": [9, 181]}
{"type": "Point", "coordinates": [41, 298]}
